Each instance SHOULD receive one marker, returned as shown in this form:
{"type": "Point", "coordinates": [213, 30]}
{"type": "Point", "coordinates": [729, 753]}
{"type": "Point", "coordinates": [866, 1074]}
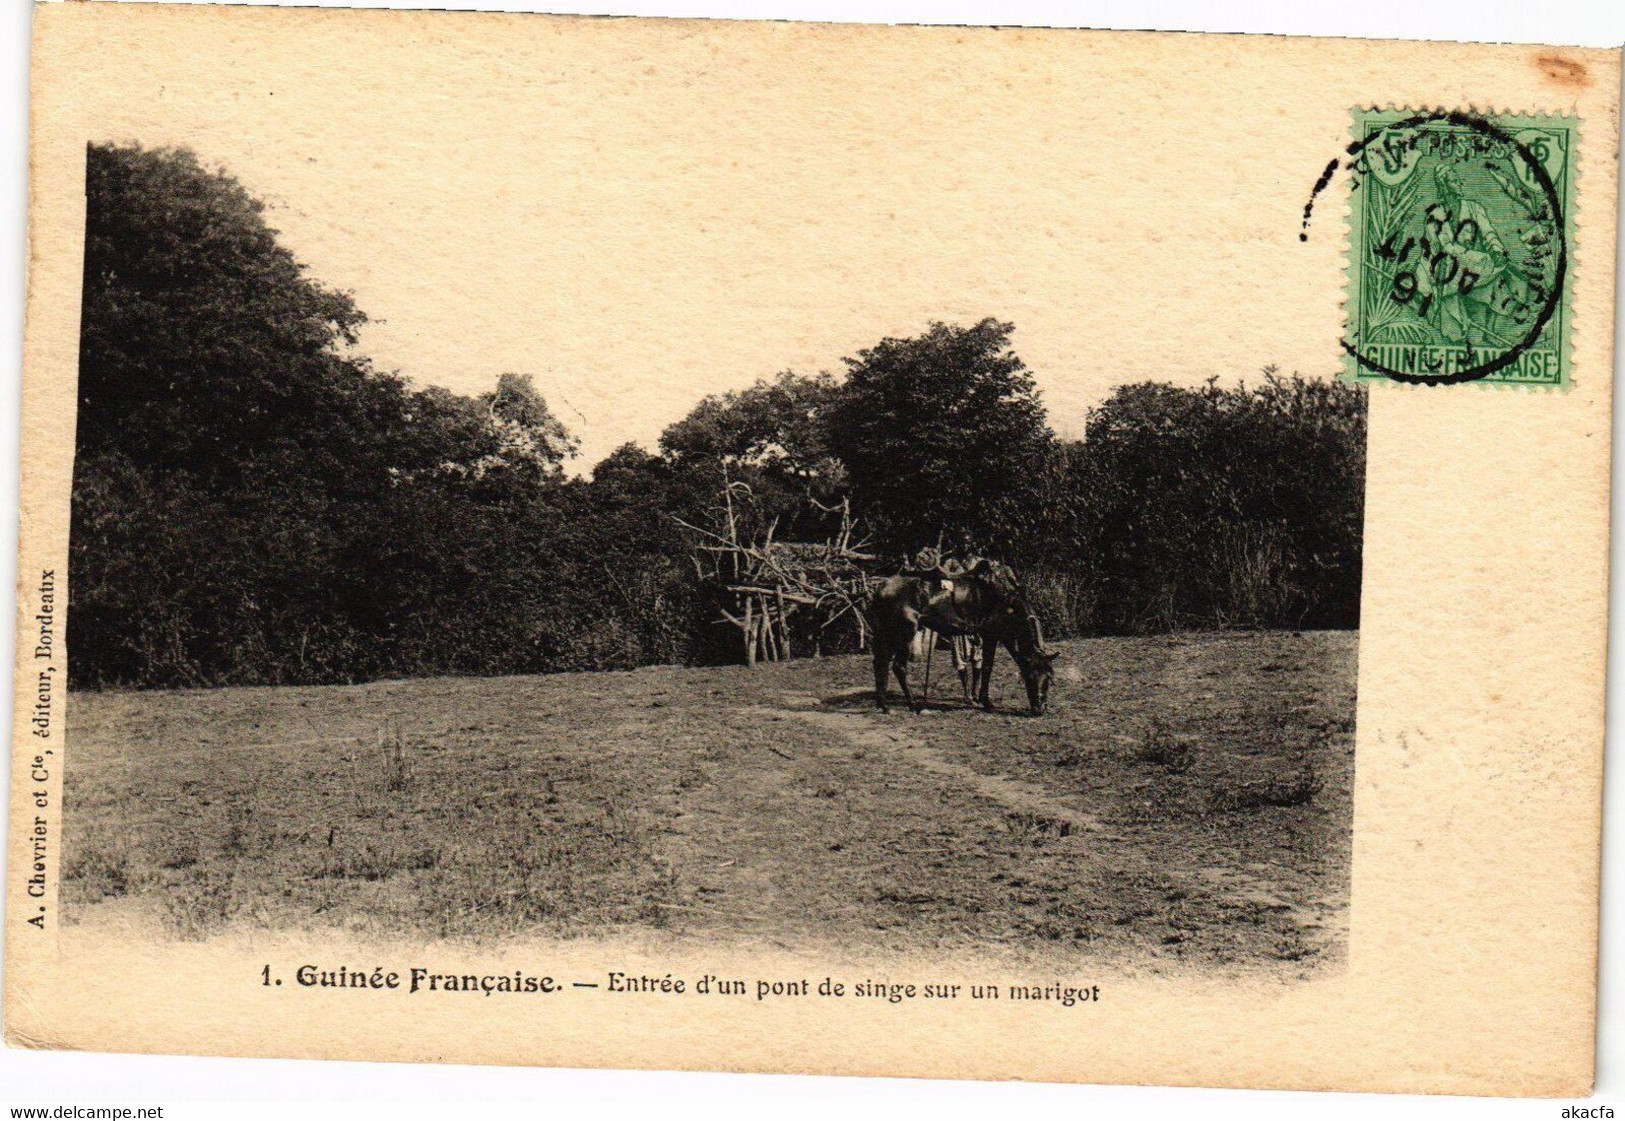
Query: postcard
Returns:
{"type": "Point", "coordinates": [916, 551]}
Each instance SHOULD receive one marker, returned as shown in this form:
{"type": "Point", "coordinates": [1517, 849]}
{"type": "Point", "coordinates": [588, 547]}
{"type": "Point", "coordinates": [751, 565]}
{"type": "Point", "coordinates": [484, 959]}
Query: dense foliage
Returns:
{"type": "Point", "coordinates": [944, 431]}
{"type": "Point", "coordinates": [254, 502]}
{"type": "Point", "coordinates": [1237, 506]}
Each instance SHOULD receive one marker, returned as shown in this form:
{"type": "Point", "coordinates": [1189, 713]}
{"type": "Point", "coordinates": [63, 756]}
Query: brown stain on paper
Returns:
{"type": "Point", "coordinates": [1563, 71]}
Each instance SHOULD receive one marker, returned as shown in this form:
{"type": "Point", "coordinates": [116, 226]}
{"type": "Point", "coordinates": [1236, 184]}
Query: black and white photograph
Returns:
{"type": "Point", "coordinates": [878, 653]}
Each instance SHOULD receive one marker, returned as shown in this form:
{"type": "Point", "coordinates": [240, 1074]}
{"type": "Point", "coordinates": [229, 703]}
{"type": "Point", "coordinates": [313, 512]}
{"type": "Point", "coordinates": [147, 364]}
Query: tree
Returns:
{"type": "Point", "coordinates": [253, 502]}
{"type": "Point", "coordinates": [201, 338]}
{"type": "Point", "coordinates": [943, 433]}
{"type": "Point", "coordinates": [771, 437]}
{"type": "Point", "coordinates": [1224, 506]}
{"type": "Point", "coordinates": [774, 424]}
{"type": "Point", "coordinates": [530, 436]}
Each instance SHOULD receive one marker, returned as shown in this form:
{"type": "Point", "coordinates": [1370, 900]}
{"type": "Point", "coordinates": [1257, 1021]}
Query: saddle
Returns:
{"type": "Point", "coordinates": [930, 564]}
{"type": "Point", "coordinates": [974, 599]}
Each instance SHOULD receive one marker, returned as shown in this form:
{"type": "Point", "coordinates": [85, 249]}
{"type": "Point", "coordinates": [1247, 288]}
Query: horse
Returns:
{"type": "Point", "coordinates": [988, 604]}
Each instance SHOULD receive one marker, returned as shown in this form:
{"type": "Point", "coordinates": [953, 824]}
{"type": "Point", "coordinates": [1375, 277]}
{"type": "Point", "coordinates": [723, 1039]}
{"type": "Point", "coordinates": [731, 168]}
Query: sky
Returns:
{"type": "Point", "coordinates": [638, 214]}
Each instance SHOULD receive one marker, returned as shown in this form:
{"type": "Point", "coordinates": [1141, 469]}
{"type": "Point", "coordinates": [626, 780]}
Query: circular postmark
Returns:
{"type": "Point", "coordinates": [1458, 254]}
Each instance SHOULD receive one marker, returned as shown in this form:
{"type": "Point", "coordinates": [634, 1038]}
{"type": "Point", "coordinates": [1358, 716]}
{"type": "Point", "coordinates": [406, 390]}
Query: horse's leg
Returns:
{"type": "Point", "coordinates": [989, 648]}
{"type": "Point", "coordinates": [899, 666]}
{"type": "Point", "coordinates": [930, 649]}
{"type": "Point", "coordinates": [882, 659]}
{"type": "Point", "coordinates": [1023, 655]}
{"type": "Point", "coordinates": [965, 664]}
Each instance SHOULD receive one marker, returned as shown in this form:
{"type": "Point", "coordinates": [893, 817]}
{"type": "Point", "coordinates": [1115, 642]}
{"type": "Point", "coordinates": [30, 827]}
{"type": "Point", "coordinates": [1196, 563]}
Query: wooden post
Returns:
{"type": "Point", "coordinates": [784, 626]}
{"type": "Point", "coordinates": [764, 651]}
{"type": "Point", "coordinates": [733, 528]}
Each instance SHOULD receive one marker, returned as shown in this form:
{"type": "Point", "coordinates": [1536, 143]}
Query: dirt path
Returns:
{"type": "Point", "coordinates": [824, 827]}
{"type": "Point", "coordinates": [1252, 884]}
{"type": "Point", "coordinates": [1013, 794]}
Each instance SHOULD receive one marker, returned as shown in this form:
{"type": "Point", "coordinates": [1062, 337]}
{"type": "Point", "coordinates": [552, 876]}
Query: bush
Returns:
{"type": "Point", "coordinates": [1062, 598]}
{"type": "Point", "coordinates": [1218, 507]}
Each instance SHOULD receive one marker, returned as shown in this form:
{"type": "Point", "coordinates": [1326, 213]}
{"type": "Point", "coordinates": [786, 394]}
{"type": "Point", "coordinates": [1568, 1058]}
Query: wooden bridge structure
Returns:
{"type": "Point", "coordinates": [820, 586]}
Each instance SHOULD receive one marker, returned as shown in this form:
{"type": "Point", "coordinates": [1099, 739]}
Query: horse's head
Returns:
{"type": "Point", "coordinates": [1037, 674]}
{"type": "Point", "coordinates": [1037, 666]}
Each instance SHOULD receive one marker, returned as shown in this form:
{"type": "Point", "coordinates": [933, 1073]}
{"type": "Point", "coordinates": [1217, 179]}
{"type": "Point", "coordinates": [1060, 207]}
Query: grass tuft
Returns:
{"type": "Point", "coordinates": [1297, 789]}
{"type": "Point", "coordinates": [95, 874]}
{"type": "Point", "coordinates": [1160, 746]}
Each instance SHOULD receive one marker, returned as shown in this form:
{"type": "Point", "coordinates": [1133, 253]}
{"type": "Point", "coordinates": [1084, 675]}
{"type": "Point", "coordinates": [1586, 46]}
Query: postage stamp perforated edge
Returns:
{"type": "Point", "coordinates": [1559, 330]}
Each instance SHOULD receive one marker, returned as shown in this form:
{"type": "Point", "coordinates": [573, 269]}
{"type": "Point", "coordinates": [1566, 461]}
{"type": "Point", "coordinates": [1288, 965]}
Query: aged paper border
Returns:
{"type": "Point", "coordinates": [1472, 958]}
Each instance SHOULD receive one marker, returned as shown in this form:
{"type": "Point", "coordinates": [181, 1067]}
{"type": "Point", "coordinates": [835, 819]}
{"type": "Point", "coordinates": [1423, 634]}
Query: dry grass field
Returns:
{"type": "Point", "coordinates": [1187, 803]}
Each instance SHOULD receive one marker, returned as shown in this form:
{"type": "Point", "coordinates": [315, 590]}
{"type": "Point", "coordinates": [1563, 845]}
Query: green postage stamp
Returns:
{"type": "Point", "coordinates": [1460, 229]}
